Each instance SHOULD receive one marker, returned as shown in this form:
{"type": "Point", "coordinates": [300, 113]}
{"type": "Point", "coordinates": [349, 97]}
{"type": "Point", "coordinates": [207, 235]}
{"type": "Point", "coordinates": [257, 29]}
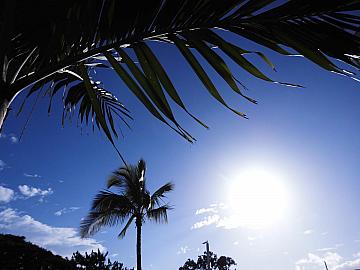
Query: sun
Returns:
{"type": "Point", "coordinates": [257, 198]}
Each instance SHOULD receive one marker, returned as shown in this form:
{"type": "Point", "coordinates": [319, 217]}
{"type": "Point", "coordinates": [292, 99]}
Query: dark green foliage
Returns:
{"type": "Point", "coordinates": [95, 261]}
{"type": "Point", "coordinates": [16, 253]}
{"type": "Point", "coordinates": [59, 45]}
{"type": "Point", "coordinates": [221, 263]}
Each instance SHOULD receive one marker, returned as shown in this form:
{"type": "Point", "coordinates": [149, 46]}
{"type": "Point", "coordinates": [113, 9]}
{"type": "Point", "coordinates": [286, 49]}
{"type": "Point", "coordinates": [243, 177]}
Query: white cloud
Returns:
{"type": "Point", "coordinates": [312, 261]}
{"type": "Point", "coordinates": [229, 222]}
{"type": "Point", "coordinates": [348, 265]}
{"type": "Point", "coordinates": [32, 191]}
{"type": "Point", "coordinates": [60, 240]}
{"type": "Point", "coordinates": [32, 175]}
{"type": "Point", "coordinates": [14, 139]}
{"type": "Point", "coordinates": [2, 165]}
{"type": "Point", "coordinates": [222, 219]}
{"type": "Point", "coordinates": [6, 194]}
{"type": "Point", "coordinates": [205, 210]}
{"type": "Point", "coordinates": [307, 232]}
{"type": "Point", "coordinates": [326, 249]}
{"type": "Point", "coordinates": [333, 260]}
{"type": "Point", "coordinates": [206, 221]}
{"type": "Point", "coordinates": [183, 250]}
{"type": "Point", "coordinates": [66, 210]}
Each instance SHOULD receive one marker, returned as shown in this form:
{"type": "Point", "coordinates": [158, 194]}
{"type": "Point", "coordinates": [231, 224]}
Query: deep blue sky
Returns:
{"type": "Point", "coordinates": [309, 136]}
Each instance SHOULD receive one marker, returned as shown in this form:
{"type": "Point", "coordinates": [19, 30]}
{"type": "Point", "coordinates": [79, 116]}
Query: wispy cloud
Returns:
{"type": "Point", "coordinates": [333, 260]}
{"type": "Point", "coordinates": [327, 249]}
{"type": "Point", "coordinates": [28, 191]}
{"type": "Point", "coordinates": [313, 261]}
{"type": "Point", "coordinates": [206, 210]}
{"type": "Point", "coordinates": [227, 217]}
{"type": "Point", "coordinates": [206, 221]}
{"type": "Point", "coordinates": [2, 165]}
{"type": "Point", "coordinates": [60, 240]}
{"type": "Point", "coordinates": [348, 265]}
{"type": "Point", "coordinates": [183, 250]}
{"type": "Point", "coordinates": [32, 175]}
{"type": "Point", "coordinates": [11, 137]}
{"type": "Point", "coordinates": [307, 232]}
{"type": "Point", "coordinates": [218, 218]}
{"type": "Point", "coordinates": [66, 210]}
{"type": "Point", "coordinates": [6, 194]}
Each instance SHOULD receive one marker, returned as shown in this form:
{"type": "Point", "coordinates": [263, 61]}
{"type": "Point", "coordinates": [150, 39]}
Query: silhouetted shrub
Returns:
{"type": "Point", "coordinates": [221, 263]}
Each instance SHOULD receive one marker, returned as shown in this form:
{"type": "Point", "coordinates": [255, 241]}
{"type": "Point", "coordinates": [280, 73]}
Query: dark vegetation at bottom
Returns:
{"type": "Point", "coordinates": [216, 263]}
{"type": "Point", "coordinates": [16, 253]}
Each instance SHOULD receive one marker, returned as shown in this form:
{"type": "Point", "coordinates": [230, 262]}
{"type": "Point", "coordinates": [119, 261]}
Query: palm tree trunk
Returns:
{"type": "Point", "coordinates": [138, 243]}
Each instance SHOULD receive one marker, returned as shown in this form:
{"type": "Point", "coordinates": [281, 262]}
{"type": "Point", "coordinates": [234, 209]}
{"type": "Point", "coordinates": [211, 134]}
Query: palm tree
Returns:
{"type": "Point", "coordinates": [133, 202]}
{"type": "Point", "coordinates": [48, 46]}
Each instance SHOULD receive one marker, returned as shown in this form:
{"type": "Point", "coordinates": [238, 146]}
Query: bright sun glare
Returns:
{"type": "Point", "coordinates": [257, 198]}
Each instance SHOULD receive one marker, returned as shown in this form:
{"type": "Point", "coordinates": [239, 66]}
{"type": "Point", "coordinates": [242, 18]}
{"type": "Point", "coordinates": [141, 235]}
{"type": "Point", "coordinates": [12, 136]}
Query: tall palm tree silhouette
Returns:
{"type": "Point", "coordinates": [132, 203]}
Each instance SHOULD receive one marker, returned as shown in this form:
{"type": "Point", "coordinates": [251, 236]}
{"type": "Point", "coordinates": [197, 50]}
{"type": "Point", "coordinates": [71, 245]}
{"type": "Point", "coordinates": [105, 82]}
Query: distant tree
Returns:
{"type": "Point", "coordinates": [221, 263]}
{"type": "Point", "coordinates": [132, 203]}
{"type": "Point", "coordinates": [95, 261]}
{"type": "Point", "coordinates": [224, 263]}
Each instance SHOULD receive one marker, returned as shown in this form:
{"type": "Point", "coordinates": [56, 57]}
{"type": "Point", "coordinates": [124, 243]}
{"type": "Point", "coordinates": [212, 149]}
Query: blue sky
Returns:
{"type": "Point", "coordinates": [308, 138]}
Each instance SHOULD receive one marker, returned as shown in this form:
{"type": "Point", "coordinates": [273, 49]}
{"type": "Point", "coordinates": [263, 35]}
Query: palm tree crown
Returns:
{"type": "Point", "coordinates": [132, 202]}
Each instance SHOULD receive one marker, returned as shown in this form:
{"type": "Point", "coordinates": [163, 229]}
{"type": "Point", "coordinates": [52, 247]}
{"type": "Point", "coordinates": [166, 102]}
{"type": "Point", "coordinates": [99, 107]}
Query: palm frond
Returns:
{"type": "Point", "coordinates": [114, 181]}
{"type": "Point", "coordinates": [127, 225]}
{"type": "Point", "coordinates": [107, 200]}
{"type": "Point", "coordinates": [127, 178]}
{"type": "Point", "coordinates": [76, 34]}
{"type": "Point", "coordinates": [160, 193]}
{"type": "Point", "coordinates": [94, 105]}
{"type": "Point", "coordinates": [96, 220]}
{"type": "Point", "coordinates": [78, 96]}
{"type": "Point", "coordinates": [123, 178]}
{"type": "Point", "coordinates": [107, 209]}
{"type": "Point", "coordinates": [159, 214]}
